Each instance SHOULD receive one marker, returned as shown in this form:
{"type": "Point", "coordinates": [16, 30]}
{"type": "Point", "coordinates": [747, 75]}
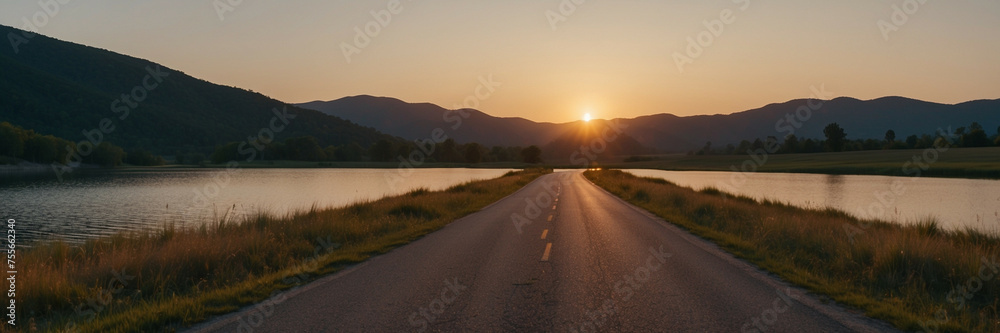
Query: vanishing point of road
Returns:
{"type": "Point", "coordinates": [559, 255]}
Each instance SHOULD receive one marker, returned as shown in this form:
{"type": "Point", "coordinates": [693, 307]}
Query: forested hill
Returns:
{"type": "Point", "coordinates": [66, 89]}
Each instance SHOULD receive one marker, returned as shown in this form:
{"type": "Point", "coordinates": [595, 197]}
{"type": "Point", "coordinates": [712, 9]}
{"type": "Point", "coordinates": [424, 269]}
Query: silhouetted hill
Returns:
{"type": "Point", "coordinates": [62, 88]}
{"type": "Point", "coordinates": [416, 121]}
{"type": "Point", "coordinates": [860, 119]}
{"type": "Point", "coordinates": [596, 140]}
{"type": "Point", "coordinates": [670, 133]}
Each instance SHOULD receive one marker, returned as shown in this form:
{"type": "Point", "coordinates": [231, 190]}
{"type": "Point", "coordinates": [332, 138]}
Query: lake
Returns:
{"type": "Point", "coordinates": [96, 203]}
{"type": "Point", "coordinates": [956, 203]}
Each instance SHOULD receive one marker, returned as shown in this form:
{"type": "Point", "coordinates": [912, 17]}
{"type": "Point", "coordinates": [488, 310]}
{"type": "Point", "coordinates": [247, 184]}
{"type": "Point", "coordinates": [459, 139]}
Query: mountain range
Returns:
{"type": "Point", "coordinates": [73, 91]}
{"type": "Point", "coordinates": [670, 133]}
{"type": "Point", "coordinates": [82, 93]}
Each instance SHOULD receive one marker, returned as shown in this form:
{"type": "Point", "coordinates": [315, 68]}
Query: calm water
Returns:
{"type": "Point", "coordinates": [103, 203]}
{"type": "Point", "coordinates": [956, 203]}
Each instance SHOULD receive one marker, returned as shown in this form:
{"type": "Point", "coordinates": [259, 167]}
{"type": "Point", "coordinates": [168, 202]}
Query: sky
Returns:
{"type": "Point", "coordinates": [553, 60]}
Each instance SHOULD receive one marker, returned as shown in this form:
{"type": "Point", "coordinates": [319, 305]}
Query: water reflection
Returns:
{"type": "Point", "coordinates": [956, 203]}
{"type": "Point", "coordinates": [94, 203]}
{"type": "Point", "coordinates": [834, 190]}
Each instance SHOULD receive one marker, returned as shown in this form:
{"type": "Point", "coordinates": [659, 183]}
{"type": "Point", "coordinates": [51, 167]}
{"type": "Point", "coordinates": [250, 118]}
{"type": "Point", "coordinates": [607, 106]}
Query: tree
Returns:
{"type": "Point", "coordinates": [331, 153]}
{"type": "Point", "coordinates": [41, 149]}
{"type": "Point", "coordinates": [500, 154]}
{"type": "Point", "coordinates": [810, 146]}
{"type": "Point", "coordinates": [351, 152]}
{"type": "Point", "coordinates": [473, 153]}
{"type": "Point", "coordinates": [911, 141]}
{"type": "Point", "coordinates": [381, 151]}
{"type": "Point", "coordinates": [142, 157]}
{"type": "Point", "coordinates": [11, 143]}
{"type": "Point", "coordinates": [307, 148]}
{"type": "Point", "coordinates": [707, 149]}
{"type": "Point", "coordinates": [532, 155]}
{"type": "Point", "coordinates": [834, 137]}
{"type": "Point", "coordinates": [743, 147]}
{"type": "Point", "coordinates": [791, 144]}
{"type": "Point", "coordinates": [975, 138]}
{"type": "Point", "coordinates": [890, 137]}
{"type": "Point", "coordinates": [226, 153]}
{"type": "Point", "coordinates": [107, 155]}
{"type": "Point", "coordinates": [447, 152]}
{"type": "Point", "coordinates": [959, 133]}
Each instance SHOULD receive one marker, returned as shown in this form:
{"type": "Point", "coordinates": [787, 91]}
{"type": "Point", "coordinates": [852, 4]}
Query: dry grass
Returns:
{"type": "Point", "coordinates": [175, 277]}
{"type": "Point", "coordinates": [903, 274]}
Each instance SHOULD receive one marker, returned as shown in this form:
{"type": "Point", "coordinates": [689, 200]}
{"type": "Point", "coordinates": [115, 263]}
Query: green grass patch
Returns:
{"type": "Point", "coordinates": [906, 275]}
{"type": "Point", "coordinates": [171, 278]}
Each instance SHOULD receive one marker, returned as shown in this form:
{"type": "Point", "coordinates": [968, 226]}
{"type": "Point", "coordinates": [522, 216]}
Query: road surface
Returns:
{"type": "Point", "coordinates": [560, 255]}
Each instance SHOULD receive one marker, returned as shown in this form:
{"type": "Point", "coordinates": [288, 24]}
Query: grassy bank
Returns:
{"type": "Point", "coordinates": [907, 275]}
{"type": "Point", "coordinates": [955, 162]}
{"type": "Point", "coordinates": [165, 280]}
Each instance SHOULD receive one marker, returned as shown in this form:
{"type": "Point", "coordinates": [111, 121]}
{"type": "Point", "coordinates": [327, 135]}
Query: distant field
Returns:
{"type": "Point", "coordinates": [953, 162]}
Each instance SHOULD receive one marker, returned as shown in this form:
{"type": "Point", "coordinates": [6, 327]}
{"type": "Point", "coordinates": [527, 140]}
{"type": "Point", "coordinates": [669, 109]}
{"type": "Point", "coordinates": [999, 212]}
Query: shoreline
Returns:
{"type": "Point", "coordinates": [176, 277]}
{"type": "Point", "coordinates": [902, 274]}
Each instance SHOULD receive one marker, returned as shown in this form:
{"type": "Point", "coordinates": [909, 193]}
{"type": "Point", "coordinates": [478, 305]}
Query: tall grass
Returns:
{"type": "Point", "coordinates": [166, 279]}
{"type": "Point", "coordinates": [902, 274]}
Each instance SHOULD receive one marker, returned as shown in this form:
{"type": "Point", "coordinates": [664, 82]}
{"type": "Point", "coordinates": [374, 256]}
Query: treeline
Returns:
{"type": "Point", "coordinates": [836, 140]}
{"type": "Point", "coordinates": [308, 148]}
{"type": "Point", "coordinates": [17, 143]}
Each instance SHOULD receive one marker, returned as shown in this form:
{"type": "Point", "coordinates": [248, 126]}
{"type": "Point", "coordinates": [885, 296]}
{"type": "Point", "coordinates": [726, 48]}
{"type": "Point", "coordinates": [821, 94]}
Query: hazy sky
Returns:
{"type": "Point", "coordinates": [610, 58]}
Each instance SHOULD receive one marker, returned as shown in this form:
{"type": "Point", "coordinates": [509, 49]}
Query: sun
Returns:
{"type": "Point", "coordinates": [586, 116]}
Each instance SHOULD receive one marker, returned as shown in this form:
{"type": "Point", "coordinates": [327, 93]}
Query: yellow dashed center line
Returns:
{"type": "Point", "coordinates": [545, 233]}
{"type": "Point", "coordinates": [548, 248]}
{"type": "Point", "coordinates": [550, 218]}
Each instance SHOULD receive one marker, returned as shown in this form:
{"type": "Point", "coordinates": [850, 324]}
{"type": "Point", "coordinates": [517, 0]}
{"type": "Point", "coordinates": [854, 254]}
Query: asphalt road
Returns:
{"type": "Point", "coordinates": [560, 255]}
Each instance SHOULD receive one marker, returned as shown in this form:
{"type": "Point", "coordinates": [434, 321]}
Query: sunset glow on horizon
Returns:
{"type": "Point", "coordinates": [546, 60]}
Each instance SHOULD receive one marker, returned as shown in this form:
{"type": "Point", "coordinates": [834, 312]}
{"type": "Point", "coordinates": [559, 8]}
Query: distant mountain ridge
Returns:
{"type": "Point", "coordinates": [67, 90]}
{"type": "Point", "coordinates": [671, 133]}
{"type": "Point", "coordinates": [416, 121]}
